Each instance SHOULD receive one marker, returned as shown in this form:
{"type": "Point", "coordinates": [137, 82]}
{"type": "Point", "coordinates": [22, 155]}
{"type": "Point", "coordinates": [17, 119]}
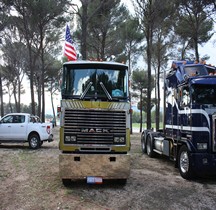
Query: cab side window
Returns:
{"type": "Point", "coordinates": [18, 119]}
{"type": "Point", "coordinates": [32, 119]}
{"type": "Point", "coordinates": [185, 97]}
{"type": "Point", "coordinates": [22, 119]}
{"type": "Point", "coordinates": [8, 119]}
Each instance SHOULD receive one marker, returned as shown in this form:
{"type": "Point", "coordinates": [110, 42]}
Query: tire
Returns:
{"type": "Point", "coordinates": [34, 141]}
{"type": "Point", "coordinates": [184, 163]}
{"type": "Point", "coordinates": [149, 146]}
{"type": "Point", "coordinates": [66, 182]}
{"type": "Point", "coordinates": [143, 143]}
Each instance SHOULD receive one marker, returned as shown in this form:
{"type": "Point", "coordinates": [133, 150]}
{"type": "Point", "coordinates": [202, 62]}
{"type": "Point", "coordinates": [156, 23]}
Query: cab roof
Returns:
{"type": "Point", "coordinates": [86, 62]}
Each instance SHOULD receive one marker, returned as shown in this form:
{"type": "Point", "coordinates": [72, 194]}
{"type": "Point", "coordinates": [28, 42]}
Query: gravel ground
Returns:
{"type": "Point", "coordinates": [30, 180]}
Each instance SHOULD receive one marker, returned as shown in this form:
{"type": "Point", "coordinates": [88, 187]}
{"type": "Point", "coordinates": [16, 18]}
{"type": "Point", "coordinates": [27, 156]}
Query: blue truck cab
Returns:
{"type": "Point", "coordinates": [188, 136]}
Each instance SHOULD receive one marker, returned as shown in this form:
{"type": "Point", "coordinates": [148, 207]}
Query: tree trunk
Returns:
{"type": "Point", "coordinates": [39, 96]}
{"type": "Point", "coordinates": [9, 102]}
{"type": "Point", "coordinates": [129, 74]}
{"type": "Point", "coordinates": [196, 50]}
{"type": "Point", "coordinates": [103, 43]}
{"type": "Point", "coordinates": [31, 66]}
{"type": "Point", "coordinates": [43, 100]}
{"type": "Point", "coordinates": [19, 95]}
{"type": "Point", "coordinates": [157, 111]}
{"type": "Point", "coordinates": [15, 96]}
{"type": "Point", "coordinates": [31, 77]}
{"type": "Point", "coordinates": [131, 115]}
{"type": "Point", "coordinates": [42, 79]}
{"type": "Point", "coordinates": [53, 109]}
{"type": "Point", "coordinates": [141, 105]}
{"type": "Point", "coordinates": [148, 111]}
{"type": "Point", "coordinates": [84, 30]}
{"type": "Point", "coordinates": [1, 95]}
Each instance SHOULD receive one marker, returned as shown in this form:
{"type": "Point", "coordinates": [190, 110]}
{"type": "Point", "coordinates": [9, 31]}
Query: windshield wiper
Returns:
{"type": "Point", "coordinates": [86, 90]}
{"type": "Point", "coordinates": [105, 91]}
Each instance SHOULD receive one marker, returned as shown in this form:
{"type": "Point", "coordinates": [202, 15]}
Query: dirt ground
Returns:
{"type": "Point", "coordinates": [29, 180]}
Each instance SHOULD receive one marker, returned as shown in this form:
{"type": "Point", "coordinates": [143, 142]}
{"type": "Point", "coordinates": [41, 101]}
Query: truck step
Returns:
{"type": "Point", "coordinates": [157, 151]}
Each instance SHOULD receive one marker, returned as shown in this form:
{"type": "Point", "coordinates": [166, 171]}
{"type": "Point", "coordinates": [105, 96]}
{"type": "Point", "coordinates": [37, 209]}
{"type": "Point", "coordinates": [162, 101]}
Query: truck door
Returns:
{"type": "Point", "coordinates": [184, 111]}
{"type": "Point", "coordinates": [5, 127]}
{"type": "Point", "coordinates": [18, 127]}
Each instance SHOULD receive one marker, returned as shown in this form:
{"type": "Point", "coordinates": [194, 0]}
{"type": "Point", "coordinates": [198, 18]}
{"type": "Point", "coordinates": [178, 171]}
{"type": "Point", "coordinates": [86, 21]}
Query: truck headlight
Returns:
{"type": "Point", "coordinates": [119, 139]}
{"type": "Point", "coordinates": [202, 146]}
{"type": "Point", "coordinates": [70, 139]}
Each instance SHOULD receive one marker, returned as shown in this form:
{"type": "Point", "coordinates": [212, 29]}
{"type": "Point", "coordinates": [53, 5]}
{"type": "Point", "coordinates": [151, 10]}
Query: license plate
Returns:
{"type": "Point", "coordinates": [94, 180]}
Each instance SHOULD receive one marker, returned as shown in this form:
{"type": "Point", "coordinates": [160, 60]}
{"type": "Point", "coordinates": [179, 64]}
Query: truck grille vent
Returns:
{"type": "Point", "coordinates": [95, 126]}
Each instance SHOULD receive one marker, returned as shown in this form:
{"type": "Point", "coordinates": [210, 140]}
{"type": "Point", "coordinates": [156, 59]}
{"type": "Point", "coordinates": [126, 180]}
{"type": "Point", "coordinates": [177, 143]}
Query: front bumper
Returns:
{"type": "Point", "coordinates": [204, 163]}
{"type": "Point", "coordinates": [107, 166]}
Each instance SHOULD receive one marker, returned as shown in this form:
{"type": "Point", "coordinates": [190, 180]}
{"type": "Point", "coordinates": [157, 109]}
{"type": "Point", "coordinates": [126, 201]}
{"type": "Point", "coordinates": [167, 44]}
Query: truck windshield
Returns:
{"type": "Point", "coordinates": [195, 70]}
{"type": "Point", "coordinates": [94, 83]}
{"type": "Point", "coordinates": [204, 94]}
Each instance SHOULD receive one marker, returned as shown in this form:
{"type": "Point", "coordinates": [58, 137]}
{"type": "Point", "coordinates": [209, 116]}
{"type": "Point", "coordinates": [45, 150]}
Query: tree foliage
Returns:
{"type": "Point", "coordinates": [85, 15]}
{"type": "Point", "coordinates": [34, 31]}
{"type": "Point", "coordinates": [100, 29]}
{"type": "Point", "coordinates": [38, 24]}
{"type": "Point", "coordinates": [194, 25]}
{"type": "Point", "coordinates": [103, 30]}
{"type": "Point", "coordinates": [13, 71]}
{"type": "Point", "coordinates": [131, 38]}
{"type": "Point", "coordinates": [151, 14]}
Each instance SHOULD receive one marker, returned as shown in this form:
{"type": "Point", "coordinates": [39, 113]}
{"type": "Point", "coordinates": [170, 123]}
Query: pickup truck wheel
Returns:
{"type": "Point", "coordinates": [149, 146]}
{"type": "Point", "coordinates": [184, 163]}
{"type": "Point", "coordinates": [143, 143]}
{"type": "Point", "coordinates": [34, 141]}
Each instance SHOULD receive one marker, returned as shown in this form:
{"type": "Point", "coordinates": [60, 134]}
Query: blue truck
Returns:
{"type": "Point", "coordinates": [188, 136]}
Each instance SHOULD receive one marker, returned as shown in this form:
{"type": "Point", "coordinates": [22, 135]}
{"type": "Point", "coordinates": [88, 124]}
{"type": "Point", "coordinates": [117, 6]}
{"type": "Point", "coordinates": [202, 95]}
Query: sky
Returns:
{"type": "Point", "coordinates": [209, 49]}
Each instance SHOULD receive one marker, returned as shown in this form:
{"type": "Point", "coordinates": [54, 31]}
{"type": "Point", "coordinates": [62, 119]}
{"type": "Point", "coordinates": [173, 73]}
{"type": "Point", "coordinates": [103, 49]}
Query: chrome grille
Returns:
{"type": "Point", "coordinates": [95, 126]}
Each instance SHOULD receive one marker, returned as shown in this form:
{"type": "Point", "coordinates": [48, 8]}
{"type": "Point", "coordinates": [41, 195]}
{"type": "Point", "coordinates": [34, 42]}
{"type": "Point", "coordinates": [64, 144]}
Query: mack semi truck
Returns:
{"type": "Point", "coordinates": [188, 136]}
{"type": "Point", "coordinates": [94, 122]}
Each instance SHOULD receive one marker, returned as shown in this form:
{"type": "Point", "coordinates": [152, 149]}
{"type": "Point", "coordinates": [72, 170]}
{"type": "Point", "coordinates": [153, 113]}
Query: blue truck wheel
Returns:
{"type": "Point", "coordinates": [184, 163]}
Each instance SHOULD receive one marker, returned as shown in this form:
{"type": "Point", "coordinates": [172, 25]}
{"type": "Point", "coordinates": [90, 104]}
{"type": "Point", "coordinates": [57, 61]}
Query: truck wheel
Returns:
{"type": "Point", "coordinates": [149, 146]}
{"type": "Point", "coordinates": [143, 143]}
{"type": "Point", "coordinates": [184, 163]}
{"type": "Point", "coordinates": [66, 182]}
{"type": "Point", "coordinates": [34, 141]}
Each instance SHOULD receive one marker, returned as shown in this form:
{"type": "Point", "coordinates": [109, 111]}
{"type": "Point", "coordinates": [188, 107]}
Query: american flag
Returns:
{"type": "Point", "coordinates": [69, 49]}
